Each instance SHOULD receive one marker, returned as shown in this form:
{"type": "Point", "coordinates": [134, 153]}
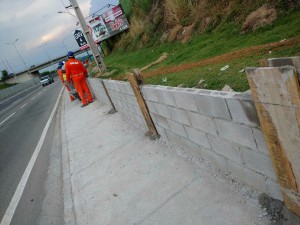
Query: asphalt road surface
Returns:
{"type": "Point", "coordinates": [21, 125]}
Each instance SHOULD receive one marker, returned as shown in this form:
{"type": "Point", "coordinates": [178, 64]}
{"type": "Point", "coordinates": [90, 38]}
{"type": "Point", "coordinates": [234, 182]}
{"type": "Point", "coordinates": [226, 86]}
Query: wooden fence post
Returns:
{"type": "Point", "coordinates": [135, 80]}
{"type": "Point", "coordinates": [276, 94]}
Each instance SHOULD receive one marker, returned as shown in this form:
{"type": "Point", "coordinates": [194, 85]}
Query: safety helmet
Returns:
{"type": "Point", "coordinates": [70, 54]}
{"type": "Point", "coordinates": [60, 63]}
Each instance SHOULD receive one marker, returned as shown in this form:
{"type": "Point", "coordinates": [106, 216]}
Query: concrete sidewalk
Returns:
{"type": "Point", "coordinates": [114, 175]}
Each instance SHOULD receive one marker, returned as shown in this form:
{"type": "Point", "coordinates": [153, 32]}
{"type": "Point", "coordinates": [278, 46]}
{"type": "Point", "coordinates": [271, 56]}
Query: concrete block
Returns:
{"type": "Point", "coordinates": [226, 149]}
{"type": "Point", "coordinates": [258, 162]}
{"type": "Point", "coordinates": [260, 141]}
{"type": "Point", "coordinates": [150, 94]}
{"type": "Point", "coordinates": [151, 107]}
{"type": "Point", "coordinates": [214, 159]}
{"type": "Point", "coordinates": [129, 90]}
{"type": "Point", "coordinates": [243, 111]}
{"type": "Point", "coordinates": [161, 131]}
{"type": "Point", "coordinates": [197, 137]}
{"type": "Point", "coordinates": [134, 101]}
{"type": "Point", "coordinates": [185, 100]}
{"type": "Point", "coordinates": [248, 176]}
{"type": "Point", "coordinates": [192, 148]}
{"type": "Point", "coordinates": [179, 115]}
{"type": "Point", "coordinates": [137, 111]}
{"type": "Point", "coordinates": [273, 189]}
{"type": "Point", "coordinates": [123, 88]}
{"type": "Point", "coordinates": [173, 138]}
{"type": "Point", "coordinates": [291, 61]}
{"type": "Point", "coordinates": [237, 133]}
{"type": "Point", "coordinates": [143, 123]}
{"type": "Point", "coordinates": [212, 106]}
{"type": "Point", "coordinates": [202, 123]}
{"type": "Point", "coordinates": [162, 110]}
{"type": "Point", "coordinates": [165, 97]}
{"type": "Point", "coordinates": [161, 121]}
{"type": "Point", "coordinates": [177, 128]}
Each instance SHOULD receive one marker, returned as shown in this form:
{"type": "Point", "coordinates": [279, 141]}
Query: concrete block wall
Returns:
{"type": "Point", "coordinates": [122, 97]}
{"type": "Point", "coordinates": [98, 90]}
{"type": "Point", "coordinates": [220, 127]}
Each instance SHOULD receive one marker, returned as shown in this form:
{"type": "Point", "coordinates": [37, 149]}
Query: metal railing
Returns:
{"type": "Point", "coordinates": [18, 88]}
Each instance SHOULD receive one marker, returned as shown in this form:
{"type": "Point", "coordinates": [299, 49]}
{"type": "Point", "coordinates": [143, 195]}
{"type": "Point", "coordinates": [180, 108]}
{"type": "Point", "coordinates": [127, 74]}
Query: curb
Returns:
{"type": "Point", "coordinates": [69, 212]}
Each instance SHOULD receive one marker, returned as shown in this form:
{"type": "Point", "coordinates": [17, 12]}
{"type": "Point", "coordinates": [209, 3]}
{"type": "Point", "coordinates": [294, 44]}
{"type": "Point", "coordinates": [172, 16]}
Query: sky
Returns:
{"type": "Point", "coordinates": [42, 32]}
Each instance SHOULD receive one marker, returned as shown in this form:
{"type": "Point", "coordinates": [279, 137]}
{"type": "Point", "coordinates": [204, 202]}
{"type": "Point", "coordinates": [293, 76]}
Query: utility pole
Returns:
{"type": "Point", "coordinates": [29, 74]}
{"type": "Point", "coordinates": [89, 38]}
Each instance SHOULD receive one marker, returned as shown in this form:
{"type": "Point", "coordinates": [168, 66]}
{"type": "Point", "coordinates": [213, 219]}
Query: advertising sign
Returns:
{"type": "Point", "coordinates": [103, 26]}
{"type": "Point", "coordinates": [99, 31]}
{"type": "Point", "coordinates": [80, 39]}
{"type": "Point", "coordinates": [115, 20]}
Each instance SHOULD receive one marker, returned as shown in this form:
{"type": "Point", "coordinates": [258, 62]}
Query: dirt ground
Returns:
{"type": "Point", "coordinates": [278, 212]}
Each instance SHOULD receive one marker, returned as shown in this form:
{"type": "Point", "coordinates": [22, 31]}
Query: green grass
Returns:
{"type": "Point", "coordinates": [223, 39]}
{"type": "Point", "coordinates": [3, 86]}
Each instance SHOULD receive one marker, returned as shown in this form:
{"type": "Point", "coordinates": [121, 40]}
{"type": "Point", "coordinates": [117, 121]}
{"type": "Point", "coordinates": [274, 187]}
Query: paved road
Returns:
{"type": "Point", "coordinates": [21, 126]}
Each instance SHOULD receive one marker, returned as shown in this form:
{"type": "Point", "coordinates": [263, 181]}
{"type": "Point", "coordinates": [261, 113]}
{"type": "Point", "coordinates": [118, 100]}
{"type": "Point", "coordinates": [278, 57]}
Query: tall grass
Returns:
{"type": "Point", "coordinates": [179, 11]}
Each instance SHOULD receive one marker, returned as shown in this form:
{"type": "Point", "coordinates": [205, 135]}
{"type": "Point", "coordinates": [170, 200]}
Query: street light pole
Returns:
{"type": "Point", "coordinates": [13, 44]}
{"type": "Point", "coordinates": [43, 46]}
{"type": "Point", "coordinates": [17, 81]}
{"type": "Point", "coordinates": [95, 51]}
{"type": "Point", "coordinates": [64, 45]}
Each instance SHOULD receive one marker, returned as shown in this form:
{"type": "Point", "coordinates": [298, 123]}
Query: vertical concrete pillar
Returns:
{"type": "Point", "coordinates": [276, 94]}
{"type": "Point", "coordinates": [135, 80]}
{"type": "Point", "coordinates": [286, 61]}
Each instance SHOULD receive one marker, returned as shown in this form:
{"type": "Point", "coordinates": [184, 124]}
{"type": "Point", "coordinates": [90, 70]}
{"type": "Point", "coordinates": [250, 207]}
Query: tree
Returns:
{"type": "Point", "coordinates": [4, 75]}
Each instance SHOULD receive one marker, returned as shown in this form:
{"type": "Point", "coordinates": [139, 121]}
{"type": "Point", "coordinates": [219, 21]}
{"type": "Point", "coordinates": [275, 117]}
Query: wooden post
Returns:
{"type": "Point", "coordinates": [276, 94]}
{"type": "Point", "coordinates": [135, 80]}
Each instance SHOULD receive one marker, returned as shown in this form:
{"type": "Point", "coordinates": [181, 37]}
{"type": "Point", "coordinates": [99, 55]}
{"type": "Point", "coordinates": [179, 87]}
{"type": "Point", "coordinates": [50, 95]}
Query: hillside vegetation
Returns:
{"type": "Point", "coordinates": [202, 36]}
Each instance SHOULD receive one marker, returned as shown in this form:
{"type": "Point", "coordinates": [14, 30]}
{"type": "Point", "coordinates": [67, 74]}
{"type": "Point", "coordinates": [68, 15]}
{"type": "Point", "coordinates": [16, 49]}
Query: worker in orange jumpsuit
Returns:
{"type": "Point", "coordinates": [76, 72]}
{"type": "Point", "coordinates": [62, 77]}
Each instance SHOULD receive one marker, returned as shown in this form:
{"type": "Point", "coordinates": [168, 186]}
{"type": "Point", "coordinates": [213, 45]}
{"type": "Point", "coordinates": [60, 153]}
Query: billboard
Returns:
{"type": "Point", "coordinates": [104, 26]}
{"type": "Point", "coordinates": [80, 39]}
{"type": "Point", "coordinates": [115, 20]}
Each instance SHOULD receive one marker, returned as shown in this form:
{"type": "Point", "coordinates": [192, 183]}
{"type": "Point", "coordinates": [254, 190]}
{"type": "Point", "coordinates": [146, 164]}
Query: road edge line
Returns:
{"type": "Point", "coordinates": [6, 220]}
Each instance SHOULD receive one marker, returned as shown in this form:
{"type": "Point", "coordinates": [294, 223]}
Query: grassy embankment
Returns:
{"type": "Point", "coordinates": [197, 56]}
{"type": "Point", "coordinates": [3, 86]}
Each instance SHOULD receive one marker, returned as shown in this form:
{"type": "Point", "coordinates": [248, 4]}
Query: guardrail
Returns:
{"type": "Point", "coordinates": [8, 92]}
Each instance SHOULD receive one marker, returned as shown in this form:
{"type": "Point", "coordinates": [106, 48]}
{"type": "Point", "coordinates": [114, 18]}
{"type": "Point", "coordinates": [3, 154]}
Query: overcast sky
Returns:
{"type": "Point", "coordinates": [41, 31]}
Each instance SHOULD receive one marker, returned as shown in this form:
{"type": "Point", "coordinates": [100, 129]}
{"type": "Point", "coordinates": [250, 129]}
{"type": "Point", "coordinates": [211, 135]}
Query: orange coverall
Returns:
{"type": "Point", "coordinates": [76, 72]}
{"type": "Point", "coordinates": [60, 74]}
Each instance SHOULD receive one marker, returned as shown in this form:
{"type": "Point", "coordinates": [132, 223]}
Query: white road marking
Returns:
{"type": "Point", "coordinates": [6, 118]}
{"type": "Point", "coordinates": [19, 191]}
{"type": "Point", "coordinates": [39, 93]}
{"type": "Point", "coordinates": [33, 98]}
{"type": "Point", "coordinates": [23, 105]}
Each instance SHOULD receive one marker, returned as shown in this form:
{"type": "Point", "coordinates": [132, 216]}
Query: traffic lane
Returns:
{"type": "Point", "coordinates": [18, 97]}
{"type": "Point", "coordinates": [18, 139]}
{"type": "Point", "coordinates": [42, 198]}
{"type": "Point", "coordinates": [14, 104]}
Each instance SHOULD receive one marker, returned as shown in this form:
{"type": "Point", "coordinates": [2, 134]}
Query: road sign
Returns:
{"type": "Point", "coordinates": [80, 39]}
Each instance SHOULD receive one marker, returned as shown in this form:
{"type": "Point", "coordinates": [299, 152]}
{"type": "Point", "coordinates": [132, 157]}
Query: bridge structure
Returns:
{"type": "Point", "coordinates": [23, 76]}
{"type": "Point", "coordinates": [35, 70]}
